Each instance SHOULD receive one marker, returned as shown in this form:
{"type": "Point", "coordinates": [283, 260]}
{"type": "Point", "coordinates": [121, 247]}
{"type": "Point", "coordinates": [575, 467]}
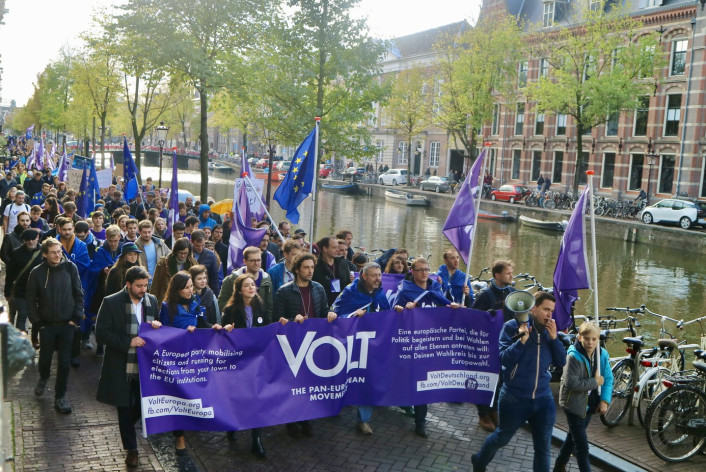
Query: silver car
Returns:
{"type": "Point", "coordinates": [437, 184]}
{"type": "Point", "coordinates": [671, 210]}
{"type": "Point", "coordinates": [393, 177]}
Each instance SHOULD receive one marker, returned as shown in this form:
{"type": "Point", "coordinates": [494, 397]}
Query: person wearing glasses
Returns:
{"type": "Point", "coordinates": [421, 292]}
{"type": "Point", "coordinates": [252, 257]}
{"type": "Point", "coordinates": [179, 259]}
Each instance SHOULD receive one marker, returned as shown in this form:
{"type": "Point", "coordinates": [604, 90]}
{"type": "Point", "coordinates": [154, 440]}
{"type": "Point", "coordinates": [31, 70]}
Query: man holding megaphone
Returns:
{"type": "Point", "coordinates": [528, 345]}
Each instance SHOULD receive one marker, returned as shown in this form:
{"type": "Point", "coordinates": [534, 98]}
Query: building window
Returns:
{"type": "Point", "coordinates": [671, 125]}
{"type": "Point", "coordinates": [380, 147]}
{"type": "Point", "coordinates": [560, 124]}
{"type": "Point", "coordinates": [543, 67]}
{"type": "Point", "coordinates": [539, 124]}
{"type": "Point", "coordinates": [519, 118]}
{"type": "Point", "coordinates": [596, 5]}
{"type": "Point", "coordinates": [516, 158]}
{"type": "Point", "coordinates": [641, 113]}
{"type": "Point", "coordinates": [611, 125]}
{"type": "Point", "coordinates": [434, 151]}
{"type": "Point", "coordinates": [493, 157]}
{"type": "Point", "coordinates": [678, 59]}
{"type": "Point", "coordinates": [666, 174]}
{"type": "Point", "coordinates": [583, 167]}
{"type": "Point", "coordinates": [548, 17]}
{"type": "Point", "coordinates": [496, 120]}
{"type": "Point", "coordinates": [522, 74]}
{"type": "Point", "coordinates": [402, 152]}
{"type": "Point", "coordinates": [558, 165]}
{"type": "Point", "coordinates": [608, 170]}
{"type": "Point", "coordinates": [536, 165]}
{"type": "Point", "coordinates": [637, 164]}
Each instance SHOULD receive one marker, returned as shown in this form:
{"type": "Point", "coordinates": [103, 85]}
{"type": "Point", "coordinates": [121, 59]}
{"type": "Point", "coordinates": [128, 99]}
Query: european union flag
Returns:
{"type": "Point", "coordinates": [86, 198]}
{"type": "Point", "coordinates": [129, 173]}
{"type": "Point", "coordinates": [298, 182]}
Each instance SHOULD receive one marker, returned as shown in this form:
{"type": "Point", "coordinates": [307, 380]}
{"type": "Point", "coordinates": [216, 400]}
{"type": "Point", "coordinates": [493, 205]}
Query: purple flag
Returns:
{"type": "Point", "coordinates": [241, 235]}
{"type": "Point", "coordinates": [217, 381]}
{"type": "Point", "coordinates": [64, 166]}
{"type": "Point", "coordinates": [32, 157]}
{"type": "Point", "coordinates": [462, 216]}
{"type": "Point", "coordinates": [173, 198]}
{"type": "Point", "coordinates": [28, 132]}
{"type": "Point", "coordinates": [571, 272]}
{"type": "Point", "coordinates": [39, 156]}
{"type": "Point", "coordinates": [245, 166]}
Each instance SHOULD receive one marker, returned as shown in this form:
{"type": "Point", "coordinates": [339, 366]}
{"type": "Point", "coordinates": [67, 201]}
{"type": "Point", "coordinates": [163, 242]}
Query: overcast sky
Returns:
{"type": "Point", "coordinates": [35, 30]}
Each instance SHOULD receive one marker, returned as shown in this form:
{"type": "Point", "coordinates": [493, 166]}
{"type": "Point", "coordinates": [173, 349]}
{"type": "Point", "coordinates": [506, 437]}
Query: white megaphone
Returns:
{"type": "Point", "coordinates": [520, 303]}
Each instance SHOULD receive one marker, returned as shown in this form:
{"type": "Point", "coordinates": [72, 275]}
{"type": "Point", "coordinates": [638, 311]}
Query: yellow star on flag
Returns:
{"type": "Point", "coordinates": [298, 161]}
{"type": "Point", "coordinates": [295, 170]}
{"type": "Point", "coordinates": [296, 189]}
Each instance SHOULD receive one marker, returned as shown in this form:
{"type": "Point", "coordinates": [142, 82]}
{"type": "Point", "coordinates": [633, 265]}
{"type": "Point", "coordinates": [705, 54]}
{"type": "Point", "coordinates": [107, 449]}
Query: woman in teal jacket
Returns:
{"type": "Point", "coordinates": [578, 393]}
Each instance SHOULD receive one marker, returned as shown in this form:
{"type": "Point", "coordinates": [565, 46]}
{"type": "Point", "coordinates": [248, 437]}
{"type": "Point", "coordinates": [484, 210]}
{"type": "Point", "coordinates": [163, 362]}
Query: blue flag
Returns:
{"type": "Point", "coordinates": [297, 184]}
{"type": "Point", "coordinates": [571, 272]}
{"type": "Point", "coordinates": [129, 173]}
{"type": "Point", "coordinates": [462, 217]}
{"type": "Point", "coordinates": [173, 198]}
{"type": "Point", "coordinates": [82, 206]}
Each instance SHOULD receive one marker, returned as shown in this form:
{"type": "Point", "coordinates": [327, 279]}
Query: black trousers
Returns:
{"type": "Point", "coordinates": [128, 416]}
{"type": "Point", "coordinates": [420, 414]}
{"type": "Point", "coordinates": [56, 338]}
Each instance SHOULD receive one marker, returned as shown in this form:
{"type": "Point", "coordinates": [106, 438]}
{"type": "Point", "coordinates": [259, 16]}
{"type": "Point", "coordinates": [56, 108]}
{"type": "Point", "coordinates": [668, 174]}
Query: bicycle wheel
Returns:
{"type": "Point", "coordinates": [622, 393]}
{"type": "Point", "coordinates": [549, 204]}
{"type": "Point", "coordinates": [675, 423]}
{"type": "Point", "coordinates": [652, 388]}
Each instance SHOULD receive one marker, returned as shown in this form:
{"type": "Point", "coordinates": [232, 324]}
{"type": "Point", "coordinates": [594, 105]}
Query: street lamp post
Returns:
{"type": "Point", "coordinates": [269, 137]}
{"type": "Point", "coordinates": [161, 139]}
{"type": "Point", "coordinates": [652, 161]}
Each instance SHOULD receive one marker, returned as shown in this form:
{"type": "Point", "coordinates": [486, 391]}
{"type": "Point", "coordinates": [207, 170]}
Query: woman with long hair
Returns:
{"type": "Point", "coordinates": [181, 310]}
{"type": "Point", "coordinates": [51, 210]}
{"type": "Point", "coordinates": [245, 309]}
{"type": "Point", "coordinates": [179, 259]}
{"type": "Point", "coordinates": [396, 265]}
{"type": "Point", "coordinates": [61, 190]}
{"type": "Point", "coordinates": [116, 276]}
{"type": "Point", "coordinates": [204, 294]}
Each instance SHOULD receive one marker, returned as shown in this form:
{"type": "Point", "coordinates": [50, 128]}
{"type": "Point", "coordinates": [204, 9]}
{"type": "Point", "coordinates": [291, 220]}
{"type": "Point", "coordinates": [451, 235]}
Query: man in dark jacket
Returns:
{"type": "Point", "coordinates": [55, 301]}
{"type": "Point", "coordinates": [23, 260]}
{"type": "Point", "coordinates": [117, 326]}
{"type": "Point", "coordinates": [331, 271]}
{"type": "Point", "coordinates": [33, 186]}
{"type": "Point", "coordinates": [207, 258]}
{"type": "Point", "coordinates": [526, 351]}
{"type": "Point", "coordinates": [297, 301]}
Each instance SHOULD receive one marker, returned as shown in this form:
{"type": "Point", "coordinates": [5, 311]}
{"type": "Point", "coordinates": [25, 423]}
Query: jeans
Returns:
{"type": "Point", "coordinates": [365, 413]}
{"type": "Point", "coordinates": [22, 313]}
{"type": "Point", "coordinates": [128, 416]}
{"type": "Point", "coordinates": [56, 338]}
{"type": "Point", "coordinates": [485, 410]}
{"type": "Point", "coordinates": [576, 442]}
{"type": "Point", "coordinates": [512, 413]}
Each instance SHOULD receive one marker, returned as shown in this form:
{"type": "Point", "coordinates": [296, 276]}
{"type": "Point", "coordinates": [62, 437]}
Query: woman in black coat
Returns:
{"type": "Point", "coordinates": [245, 309]}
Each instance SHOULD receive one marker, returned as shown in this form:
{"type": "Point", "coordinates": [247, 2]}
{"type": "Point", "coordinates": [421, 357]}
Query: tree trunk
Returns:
{"type": "Point", "coordinates": [409, 163]}
{"type": "Point", "coordinates": [203, 98]}
{"type": "Point", "coordinates": [579, 157]}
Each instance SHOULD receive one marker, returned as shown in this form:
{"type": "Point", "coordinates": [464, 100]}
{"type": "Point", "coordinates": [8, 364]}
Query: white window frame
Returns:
{"type": "Point", "coordinates": [674, 52]}
{"type": "Point", "coordinates": [673, 112]}
{"type": "Point", "coordinates": [434, 153]}
{"type": "Point", "coordinates": [402, 152]}
{"type": "Point", "coordinates": [519, 120]}
{"type": "Point", "coordinates": [536, 120]}
{"type": "Point", "coordinates": [607, 120]}
{"type": "Point", "coordinates": [532, 169]}
{"type": "Point", "coordinates": [660, 162]}
{"type": "Point", "coordinates": [495, 124]}
{"type": "Point", "coordinates": [493, 161]}
{"type": "Point", "coordinates": [615, 155]}
{"type": "Point", "coordinates": [634, 118]}
{"type": "Point", "coordinates": [522, 71]}
{"type": "Point", "coordinates": [548, 15]}
{"type": "Point", "coordinates": [561, 174]}
{"type": "Point", "coordinates": [543, 67]}
{"type": "Point", "coordinates": [632, 156]}
{"type": "Point", "coordinates": [561, 117]}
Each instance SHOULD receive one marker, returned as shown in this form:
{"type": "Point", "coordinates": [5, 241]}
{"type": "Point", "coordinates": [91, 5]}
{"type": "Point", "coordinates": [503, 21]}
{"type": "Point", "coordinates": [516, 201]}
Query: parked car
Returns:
{"type": "Point", "coordinates": [510, 193]}
{"type": "Point", "coordinates": [438, 184]}
{"type": "Point", "coordinates": [701, 213]}
{"type": "Point", "coordinates": [671, 210]}
{"type": "Point", "coordinates": [262, 163]}
{"type": "Point", "coordinates": [353, 173]}
{"type": "Point", "coordinates": [325, 170]}
{"type": "Point", "coordinates": [393, 177]}
{"type": "Point", "coordinates": [282, 166]}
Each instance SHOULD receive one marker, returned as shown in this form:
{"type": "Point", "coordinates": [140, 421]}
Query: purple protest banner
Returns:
{"type": "Point", "coordinates": [214, 380]}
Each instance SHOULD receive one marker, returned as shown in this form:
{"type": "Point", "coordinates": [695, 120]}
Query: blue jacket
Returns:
{"type": "Point", "coordinates": [183, 319]}
{"type": "Point", "coordinates": [352, 298]}
{"type": "Point", "coordinates": [205, 222]}
{"type": "Point", "coordinates": [209, 259]}
{"type": "Point", "coordinates": [78, 255]}
{"type": "Point", "coordinates": [526, 366]}
{"type": "Point", "coordinates": [101, 259]}
{"type": "Point", "coordinates": [411, 291]}
{"type": "Point", "coordinates": [453, 286]}
{"type": "Point", "coordinates": [276, 273]}
{"type": "Point", "coordinates": [578, 380]}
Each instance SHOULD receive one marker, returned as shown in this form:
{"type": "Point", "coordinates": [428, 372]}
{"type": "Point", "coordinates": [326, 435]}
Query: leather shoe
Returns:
{"type": "Point", "coordinates": [257, 448]}
{"type": "Point", "coordinates": [307, 429]}
{"type": "Point", "coordinates": [421, 431]}
{"type": "Point", "coordinates": [486, 424]}
{"type": "Point", "coordinates": [494, 417]}
{"type": "Point", "coordinates": [476, 468]}
{"type": "Point", "coordinates": [293, 430]}
{"type": "Point", "coordinates": [132, 459]}
{"type": "Point", "coordinates": [182, 452]}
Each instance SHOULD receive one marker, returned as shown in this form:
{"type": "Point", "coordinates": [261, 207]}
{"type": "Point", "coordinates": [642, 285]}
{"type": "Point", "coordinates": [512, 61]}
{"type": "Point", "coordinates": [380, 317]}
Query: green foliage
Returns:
{"type": "Point", "coordinates": [477, 68]}
{"type": "Point", "coordinates": [601, 65]}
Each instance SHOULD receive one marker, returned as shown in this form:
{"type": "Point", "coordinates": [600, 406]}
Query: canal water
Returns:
{"type": "Point", "coordinates": [669, 281]}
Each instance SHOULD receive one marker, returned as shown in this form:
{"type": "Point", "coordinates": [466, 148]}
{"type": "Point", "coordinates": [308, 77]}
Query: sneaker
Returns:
{"type": "Point", "coordinates": [62, 405]}
{"type": "Point", "coordinates": [87, 345]}
{"type": "Point", "coordinates": [40, 387]}
{"type": "Point", "coordinates": [365, 429]}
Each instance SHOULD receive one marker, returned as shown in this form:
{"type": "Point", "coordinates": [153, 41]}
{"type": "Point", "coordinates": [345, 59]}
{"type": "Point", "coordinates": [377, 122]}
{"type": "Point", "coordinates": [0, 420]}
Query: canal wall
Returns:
{"type": "Point", "coordinates": [627, 230]}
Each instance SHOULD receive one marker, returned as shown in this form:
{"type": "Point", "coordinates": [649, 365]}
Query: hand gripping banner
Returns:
{"type": "Point", "coordinates": [214, 380]}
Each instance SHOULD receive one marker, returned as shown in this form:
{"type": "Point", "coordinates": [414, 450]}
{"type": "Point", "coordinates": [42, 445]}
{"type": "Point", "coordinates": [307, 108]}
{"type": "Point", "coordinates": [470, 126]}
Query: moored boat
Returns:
{"type": "Point", "coordinates": [540, 224]}
{"type": "Point", "coordinates": [350, 189]}
{"type": "Point", "coordinates": [410, 199]}
{"type": "Point", "coordinates": [505, 216]}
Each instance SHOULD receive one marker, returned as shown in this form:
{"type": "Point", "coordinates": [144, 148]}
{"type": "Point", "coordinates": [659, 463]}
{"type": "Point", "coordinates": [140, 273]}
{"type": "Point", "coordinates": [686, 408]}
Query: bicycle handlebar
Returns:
{"type": "Point", "coordinates": [626, 309]}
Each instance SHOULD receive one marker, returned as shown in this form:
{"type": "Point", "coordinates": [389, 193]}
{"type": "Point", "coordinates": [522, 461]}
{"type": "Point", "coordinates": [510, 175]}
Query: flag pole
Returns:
{"type": "Point", "coordinates": [250, 185]}
{"type": "Point", "coordinates": [590, 175]}
{"type": "Point", "coordinates": [472, 234]}
{"type": "Point", "coordinates": [313, 188]}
